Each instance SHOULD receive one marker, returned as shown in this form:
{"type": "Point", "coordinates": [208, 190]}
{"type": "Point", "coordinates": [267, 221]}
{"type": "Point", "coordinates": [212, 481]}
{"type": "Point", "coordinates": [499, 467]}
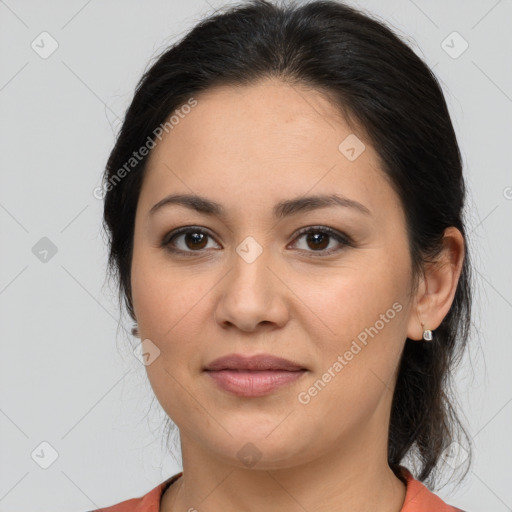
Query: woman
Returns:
{"type": "Point", "coordinates": [284, 206]}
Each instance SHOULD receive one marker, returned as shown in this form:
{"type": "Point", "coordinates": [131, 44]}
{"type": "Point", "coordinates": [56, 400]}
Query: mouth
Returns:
{"type": "Point", "coordinates": [253, 376]}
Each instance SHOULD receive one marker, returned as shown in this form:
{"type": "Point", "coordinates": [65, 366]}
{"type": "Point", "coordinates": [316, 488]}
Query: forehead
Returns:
{"type": "Point", "coordinates": [267, 139]}
{"type": "Point", "coordinates": [280, 115]}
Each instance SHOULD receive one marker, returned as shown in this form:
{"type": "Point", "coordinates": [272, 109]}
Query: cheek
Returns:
{"type": "Point", "coordinates": [170, 314]}
{"type": "Point", "coordinates": [363, 313]}
{"type": "Point", "coordinates": [358, 361]}
{"type": "Point", "coordinates": [164, 297]}
{"type": "Point", "coordinates": [355, 299]}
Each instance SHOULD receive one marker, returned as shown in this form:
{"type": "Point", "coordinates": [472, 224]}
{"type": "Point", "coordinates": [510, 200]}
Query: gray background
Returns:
{"type": "Point", "coordinates": [67, 372]}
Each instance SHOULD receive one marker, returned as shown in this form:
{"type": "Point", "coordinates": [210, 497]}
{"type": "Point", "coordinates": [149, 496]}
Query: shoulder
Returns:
{"type": "Point", "coordinates": [149, 502]}
{"type": "Point", "coordinates": [419, 498]}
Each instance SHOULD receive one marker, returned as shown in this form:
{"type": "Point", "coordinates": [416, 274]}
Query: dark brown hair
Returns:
{"type": "Point", "coordinates": [376, 81]}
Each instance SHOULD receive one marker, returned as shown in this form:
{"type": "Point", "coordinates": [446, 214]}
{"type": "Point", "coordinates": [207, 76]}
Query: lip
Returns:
{"type": "Point", "coordinates": [253, 376]}
{"type": "Point", "coordinates": [253, 383]}
{"type": "Point", "coordinates": [257, 362]}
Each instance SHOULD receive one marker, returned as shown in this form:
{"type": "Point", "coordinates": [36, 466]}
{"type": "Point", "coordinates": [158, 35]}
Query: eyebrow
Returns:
{"type": "Point", "coordinates": [282, 209]}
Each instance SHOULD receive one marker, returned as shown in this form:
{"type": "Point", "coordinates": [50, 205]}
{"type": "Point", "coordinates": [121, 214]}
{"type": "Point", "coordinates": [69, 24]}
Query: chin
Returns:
{"type": "Point", "coordinates": [254, 447]}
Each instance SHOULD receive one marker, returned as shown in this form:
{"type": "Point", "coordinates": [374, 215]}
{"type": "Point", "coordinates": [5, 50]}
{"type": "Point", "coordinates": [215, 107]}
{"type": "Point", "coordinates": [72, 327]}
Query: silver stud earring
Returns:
{"type": "Point", "coordinates": [427, 333]}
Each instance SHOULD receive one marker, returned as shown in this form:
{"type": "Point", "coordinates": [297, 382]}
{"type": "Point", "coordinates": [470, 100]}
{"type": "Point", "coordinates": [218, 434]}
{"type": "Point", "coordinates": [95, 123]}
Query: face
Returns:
{"type": "Point", "coordinates": [246, 279]}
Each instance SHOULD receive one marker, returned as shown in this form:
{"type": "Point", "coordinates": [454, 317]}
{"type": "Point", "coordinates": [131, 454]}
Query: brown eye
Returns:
{"type": "Point", "coordinates": [187, 240]}
{"type": "Point", "coordinates": [190, 240]}
{"type": "Point", "coordinates": [317, 239]}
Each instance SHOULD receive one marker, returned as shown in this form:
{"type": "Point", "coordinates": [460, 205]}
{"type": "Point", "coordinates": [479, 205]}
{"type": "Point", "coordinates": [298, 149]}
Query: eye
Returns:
{"type": "Point", "coordinates": [190, 239]}
{"type": "Point", "coordinates": [319, 237]}
{"type": "Point", "coordinates": [193, 240]}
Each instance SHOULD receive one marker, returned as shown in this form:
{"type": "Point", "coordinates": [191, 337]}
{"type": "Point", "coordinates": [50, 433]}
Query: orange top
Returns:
{"type": "Point", "coordinates": [418, 498]}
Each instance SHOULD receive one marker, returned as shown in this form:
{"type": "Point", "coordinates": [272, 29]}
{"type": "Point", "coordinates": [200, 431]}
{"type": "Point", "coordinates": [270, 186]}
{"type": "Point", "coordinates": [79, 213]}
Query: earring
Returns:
{"type": "Point", "coordinates": [427, 333]}
{"type": "Point", "coordinates": [135, 330]}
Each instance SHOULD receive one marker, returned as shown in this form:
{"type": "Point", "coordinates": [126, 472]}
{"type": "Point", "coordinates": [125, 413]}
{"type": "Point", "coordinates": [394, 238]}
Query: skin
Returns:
{"type": "Point", "coordinates": [248, 148]}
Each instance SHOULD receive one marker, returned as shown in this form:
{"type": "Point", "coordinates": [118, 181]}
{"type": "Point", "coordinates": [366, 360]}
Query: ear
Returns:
{"type": "Point", "coordinates": [437, 286]}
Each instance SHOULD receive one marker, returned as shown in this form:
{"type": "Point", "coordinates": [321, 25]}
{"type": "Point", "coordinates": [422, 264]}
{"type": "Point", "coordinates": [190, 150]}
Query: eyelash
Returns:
{"type": "Point", "coordinates": [339, 237]}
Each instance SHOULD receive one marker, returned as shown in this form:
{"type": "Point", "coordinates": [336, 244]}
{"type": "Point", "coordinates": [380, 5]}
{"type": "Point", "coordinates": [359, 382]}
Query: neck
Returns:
{"type": "Point", "coordinates": [326, 484]}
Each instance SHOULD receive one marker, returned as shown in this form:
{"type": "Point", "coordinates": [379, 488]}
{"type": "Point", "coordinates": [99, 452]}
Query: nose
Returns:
{"type": "Point", "coordinates": [252, 294]}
